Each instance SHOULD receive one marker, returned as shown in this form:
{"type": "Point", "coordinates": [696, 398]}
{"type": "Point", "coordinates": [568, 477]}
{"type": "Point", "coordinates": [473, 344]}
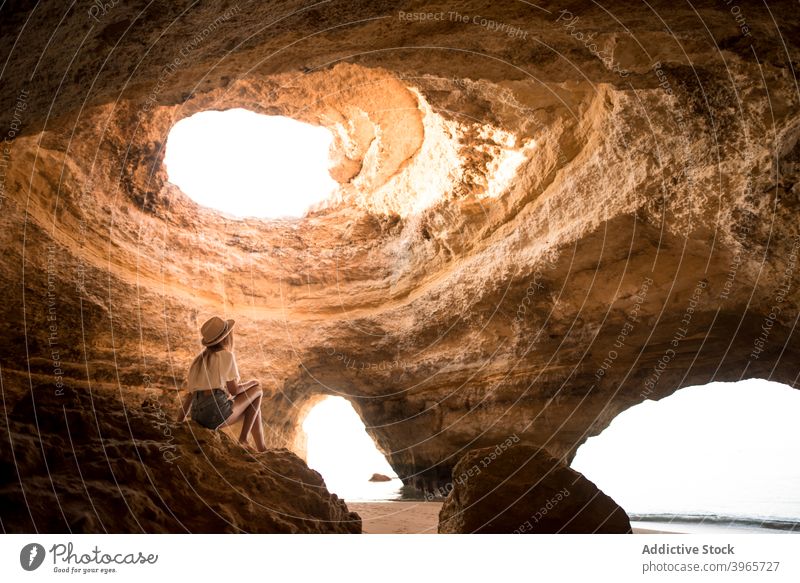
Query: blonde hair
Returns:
{"type": "Point", "coordinates": [202, 358]}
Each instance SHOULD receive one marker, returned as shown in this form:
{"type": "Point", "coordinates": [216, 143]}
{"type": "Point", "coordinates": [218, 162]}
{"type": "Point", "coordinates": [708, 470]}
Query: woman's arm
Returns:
{"type": "Point", "coordinates": [235, 388]}
{"type": "Point", "coordinates": [186, 404]}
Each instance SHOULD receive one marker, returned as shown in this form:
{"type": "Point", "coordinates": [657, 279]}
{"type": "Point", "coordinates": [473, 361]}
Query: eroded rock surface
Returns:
{"type": "Point", "coordinates": [533, 233]}
{"type": "Point", "coordinates": [88, 462]}
{"type": "Point", "coordinates": [522, 489]}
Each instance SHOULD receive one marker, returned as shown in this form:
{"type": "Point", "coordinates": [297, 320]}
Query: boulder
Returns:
{"type": "Point", "coordinates": [93, 461]}
{"type": "Point", "coordinates": [522, 489]}
{"type": "Point", "coordinates": [380, 478]}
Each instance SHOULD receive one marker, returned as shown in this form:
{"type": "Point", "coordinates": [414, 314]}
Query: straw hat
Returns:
{"type": "Point", "coordinates": [215, 329]}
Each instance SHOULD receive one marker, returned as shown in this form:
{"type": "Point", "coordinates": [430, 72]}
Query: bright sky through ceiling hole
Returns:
{"type": "Point", "coordinates": [250, 165]}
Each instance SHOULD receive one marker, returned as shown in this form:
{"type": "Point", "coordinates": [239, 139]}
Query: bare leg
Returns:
{"type": "Point", "coordinates": [242, 403]}
{"type": "Point", "coordinates": [258, 432]}
{"type": "Point", "coordinates": [250, 414]}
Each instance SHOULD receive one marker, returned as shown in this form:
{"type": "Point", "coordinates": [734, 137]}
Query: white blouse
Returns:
{"type": "Point", "coordinates": [216, 370]}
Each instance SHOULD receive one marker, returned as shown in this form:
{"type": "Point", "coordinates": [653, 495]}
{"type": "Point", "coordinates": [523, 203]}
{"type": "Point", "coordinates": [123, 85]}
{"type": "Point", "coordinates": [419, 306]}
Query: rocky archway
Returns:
{"type": "Point", "coordinates": [722, 452]}
{"type": "Point", "coordinates": [527, 240]}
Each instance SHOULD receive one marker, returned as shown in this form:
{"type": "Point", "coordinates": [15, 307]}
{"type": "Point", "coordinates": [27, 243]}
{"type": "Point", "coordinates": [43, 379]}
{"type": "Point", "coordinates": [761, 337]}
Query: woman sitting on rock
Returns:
{"type": "Point", "coordinates": [216, 397]}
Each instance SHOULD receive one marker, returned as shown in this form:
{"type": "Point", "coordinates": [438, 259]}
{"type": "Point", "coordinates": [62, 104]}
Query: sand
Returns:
{"type": "Point", "coordinates": [400, 517]}
{"type": "Point", "coordinates": [421, 517]}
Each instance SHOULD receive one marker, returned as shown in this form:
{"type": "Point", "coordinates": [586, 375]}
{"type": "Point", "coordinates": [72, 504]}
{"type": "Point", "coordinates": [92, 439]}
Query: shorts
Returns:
{"type": "Point", "coordinates": [211, 410]}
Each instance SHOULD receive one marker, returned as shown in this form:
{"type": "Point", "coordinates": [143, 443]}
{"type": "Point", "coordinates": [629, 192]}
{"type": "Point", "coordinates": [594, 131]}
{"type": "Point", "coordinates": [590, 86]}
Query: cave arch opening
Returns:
{"type": "Point", "coordinates": [247, 164]}
{"type": "Point", "coordinates": [726, 454]}
{"type": "Point", "coordinates": [339, 447]}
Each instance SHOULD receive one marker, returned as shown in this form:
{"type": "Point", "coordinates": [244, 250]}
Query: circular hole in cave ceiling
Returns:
{"type": "Point", "coordinates": [250, 165]}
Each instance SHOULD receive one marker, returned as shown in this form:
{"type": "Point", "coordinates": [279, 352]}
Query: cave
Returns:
{"type": "Point", "coordinates": [529, 233]}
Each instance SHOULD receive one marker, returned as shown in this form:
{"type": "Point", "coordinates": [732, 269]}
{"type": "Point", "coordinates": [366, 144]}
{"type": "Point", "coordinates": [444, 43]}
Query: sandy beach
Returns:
{"type": "Point", "coordinates": [422, 517]}
{"type": "Point", "coordinates": [401, 517]}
